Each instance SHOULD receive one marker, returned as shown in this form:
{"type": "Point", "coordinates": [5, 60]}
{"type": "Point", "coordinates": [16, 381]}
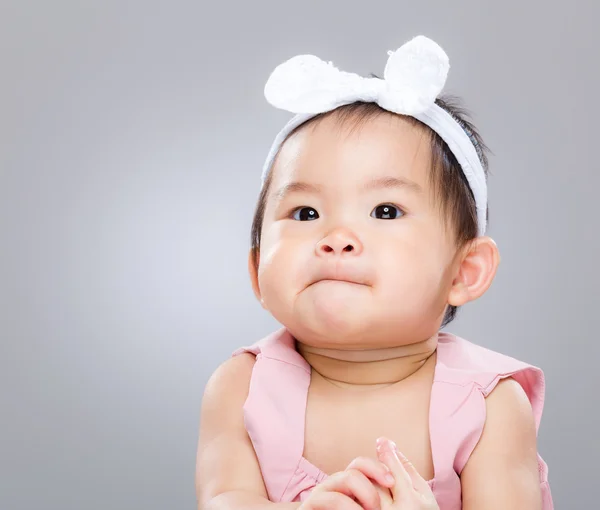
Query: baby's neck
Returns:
{"type": "Point", "coordinates": [369, 368]}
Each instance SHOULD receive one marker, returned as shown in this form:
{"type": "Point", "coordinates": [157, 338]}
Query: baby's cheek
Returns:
{"type": "Point", "coordinates": [278, 272]}
{"type": "Point", "coordinates": [411, 278]}
{"type": "Point", "coordinates": [270, 277]}
{"type": "Point", "coordinates": [276, 281]}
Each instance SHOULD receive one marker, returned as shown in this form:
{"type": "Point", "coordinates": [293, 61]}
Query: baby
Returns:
{"type": "Point", "coordinates": [367, 237]}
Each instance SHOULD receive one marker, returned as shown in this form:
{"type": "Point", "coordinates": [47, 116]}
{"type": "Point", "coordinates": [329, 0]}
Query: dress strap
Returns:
{"type": "Point", "coordinates": [274, 409]}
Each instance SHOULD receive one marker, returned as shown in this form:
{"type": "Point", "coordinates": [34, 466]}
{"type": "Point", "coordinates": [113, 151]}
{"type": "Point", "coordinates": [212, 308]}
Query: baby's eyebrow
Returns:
{"type": "Point", "coordinates": [385, 182]}
{"type": "Point", "coordinates": [296, 187]}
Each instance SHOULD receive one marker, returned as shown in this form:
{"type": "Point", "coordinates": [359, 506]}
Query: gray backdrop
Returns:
{"type": "Point", "coordinates": [131, 140]}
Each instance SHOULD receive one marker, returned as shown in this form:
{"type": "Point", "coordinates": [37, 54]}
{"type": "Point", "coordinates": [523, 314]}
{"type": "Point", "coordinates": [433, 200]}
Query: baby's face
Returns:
{"type": "Point", "coordinates": [353, 251]}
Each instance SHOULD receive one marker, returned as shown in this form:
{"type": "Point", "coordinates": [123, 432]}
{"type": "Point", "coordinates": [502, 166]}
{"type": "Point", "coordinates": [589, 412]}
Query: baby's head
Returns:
{"type": "Point", "coordinates": [365, 234]}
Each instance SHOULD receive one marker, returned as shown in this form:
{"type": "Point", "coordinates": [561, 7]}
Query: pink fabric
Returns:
{"type": "Point", "coordinates": [465, 373]}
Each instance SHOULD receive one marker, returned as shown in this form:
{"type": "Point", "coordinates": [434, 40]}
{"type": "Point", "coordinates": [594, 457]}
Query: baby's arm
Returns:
{"type": "Point", "coordinates": [502, 472]}
{"type": "Point", "coordinates": [227, 472]}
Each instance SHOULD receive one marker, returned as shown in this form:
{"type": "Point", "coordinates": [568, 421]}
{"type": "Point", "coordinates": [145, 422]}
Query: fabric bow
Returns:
{"type": "Point", "coordinates": [414, 76]}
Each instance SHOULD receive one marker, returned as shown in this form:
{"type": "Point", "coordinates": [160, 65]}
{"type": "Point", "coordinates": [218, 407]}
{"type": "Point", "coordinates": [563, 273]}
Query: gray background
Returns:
{"type": "Point", "coordinates": [131, 140]}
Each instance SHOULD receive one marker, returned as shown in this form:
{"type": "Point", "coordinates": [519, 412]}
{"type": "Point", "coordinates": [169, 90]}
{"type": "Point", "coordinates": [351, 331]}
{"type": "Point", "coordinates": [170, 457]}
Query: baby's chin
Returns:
{"type": "Point", "coordinates": [333, 312]}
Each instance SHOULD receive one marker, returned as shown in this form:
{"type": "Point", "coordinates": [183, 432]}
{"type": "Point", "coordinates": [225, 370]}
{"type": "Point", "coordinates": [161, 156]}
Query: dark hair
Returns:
{"type": "Point", "coordinates": [449, 184]}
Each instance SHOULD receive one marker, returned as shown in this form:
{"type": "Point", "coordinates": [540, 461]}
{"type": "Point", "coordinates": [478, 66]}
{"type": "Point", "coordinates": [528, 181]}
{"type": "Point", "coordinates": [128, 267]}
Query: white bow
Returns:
{"type": "Point", "coordinates": [414, 76]}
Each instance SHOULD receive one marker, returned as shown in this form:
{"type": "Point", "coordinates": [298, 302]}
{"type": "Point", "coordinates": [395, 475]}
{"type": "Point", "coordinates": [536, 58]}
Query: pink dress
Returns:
{"type": "Point", "coordinates": [465, 373]}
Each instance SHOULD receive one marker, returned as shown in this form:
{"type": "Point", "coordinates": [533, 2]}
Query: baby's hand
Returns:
{"type": "Point", "coordinates": [410, 491]}
{"type": "Point", "coordinates": [352, 489]}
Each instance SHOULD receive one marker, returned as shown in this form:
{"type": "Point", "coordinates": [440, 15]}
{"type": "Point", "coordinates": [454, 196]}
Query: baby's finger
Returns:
{"type": "Point", "coordinates": [418, 482]}
{"type": "Point", "coordinates": [385, 496]}
{"type": "Point", "coordinates": [334, 501]}
{"type": "Point", "coordinates": [386, 451]}
{"type": "Point", "coordinates": [373, 469]}
{"type": "Point", "coordinates": [354, 484]}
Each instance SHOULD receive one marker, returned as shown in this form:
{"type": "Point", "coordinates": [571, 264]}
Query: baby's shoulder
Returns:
{"type": "Point", "coordinates": [460, 354]}
{"type": "Point", "coordinates": [463, 364]}
{"type": "Point", "coordinates": [231, 379]}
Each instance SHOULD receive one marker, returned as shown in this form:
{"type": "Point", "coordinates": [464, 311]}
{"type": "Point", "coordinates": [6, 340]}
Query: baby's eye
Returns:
{"type": "Point", "coordinates": [305, 214]}
{"type": "Point", "coordinates": [387, 212]}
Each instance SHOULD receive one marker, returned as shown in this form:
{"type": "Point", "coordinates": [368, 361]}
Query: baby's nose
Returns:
{"type": "Point", "coordinates": [339, 242]}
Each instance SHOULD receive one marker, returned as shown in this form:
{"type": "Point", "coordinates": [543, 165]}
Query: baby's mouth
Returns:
{"type": "Point", "coordinates": [342, 274]}
{"type": "Point", "coordinates": [340, 280]}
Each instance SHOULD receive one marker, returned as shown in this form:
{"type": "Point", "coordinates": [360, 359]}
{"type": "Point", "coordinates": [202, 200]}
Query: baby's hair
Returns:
{"type": "Point", "coordinates": [450, 186]}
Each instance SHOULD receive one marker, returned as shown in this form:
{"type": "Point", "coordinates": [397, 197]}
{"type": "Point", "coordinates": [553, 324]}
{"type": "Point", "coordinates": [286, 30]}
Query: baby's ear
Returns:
{"type": "Point", "coordinates": [253, 271]}
{"type": "Point", "coordinates": [476, 271]}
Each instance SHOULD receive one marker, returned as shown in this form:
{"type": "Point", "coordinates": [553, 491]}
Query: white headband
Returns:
{"type": "Point", "coordinates": [414, 76]}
